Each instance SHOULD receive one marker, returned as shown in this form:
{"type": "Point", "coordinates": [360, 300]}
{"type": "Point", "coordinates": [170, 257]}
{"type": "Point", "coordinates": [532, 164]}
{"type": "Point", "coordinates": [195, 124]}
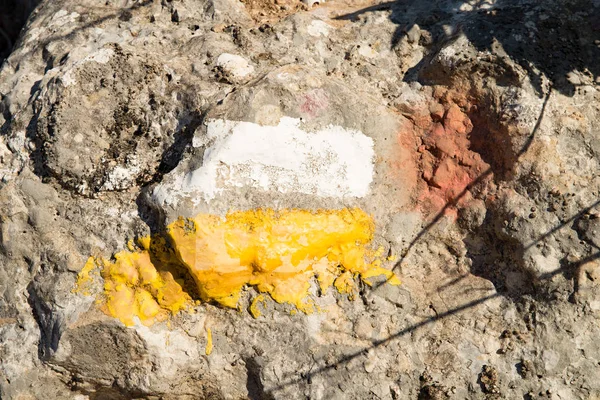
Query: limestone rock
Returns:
{"type": "Point", "coordinates": [466, 132]}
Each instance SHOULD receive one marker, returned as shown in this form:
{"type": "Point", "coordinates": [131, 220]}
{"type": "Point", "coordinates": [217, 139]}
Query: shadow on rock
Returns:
{"type": "Point", "coordinates": [555, 39]}
{"type": "Point", "coordinates": [12, 18]}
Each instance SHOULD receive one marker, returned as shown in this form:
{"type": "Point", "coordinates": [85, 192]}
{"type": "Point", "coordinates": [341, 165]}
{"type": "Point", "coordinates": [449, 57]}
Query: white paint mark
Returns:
{"type": "Point", "coordinates": [332, 162]}
{"type": "Point", "coordinates": [234, 65]}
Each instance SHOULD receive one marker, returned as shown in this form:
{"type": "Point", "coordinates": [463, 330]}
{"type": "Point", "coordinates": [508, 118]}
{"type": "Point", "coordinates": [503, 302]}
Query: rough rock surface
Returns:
{"type": "Point", "coordinates": [485, 123]}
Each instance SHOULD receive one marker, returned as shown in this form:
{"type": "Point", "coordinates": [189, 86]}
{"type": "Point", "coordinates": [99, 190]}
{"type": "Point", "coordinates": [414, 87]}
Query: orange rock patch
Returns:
{"type": "Point", "coordinates": [446, 163]}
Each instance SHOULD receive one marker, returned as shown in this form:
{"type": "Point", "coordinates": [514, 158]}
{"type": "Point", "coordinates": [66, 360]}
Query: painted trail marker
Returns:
{"type": "Point", "coordinates": [331, 162]}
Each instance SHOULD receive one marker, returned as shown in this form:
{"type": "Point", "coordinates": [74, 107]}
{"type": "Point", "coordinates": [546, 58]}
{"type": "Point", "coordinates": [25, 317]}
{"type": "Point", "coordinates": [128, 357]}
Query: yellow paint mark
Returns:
{"type": "Point", "coordinates": [134, 287]}
{"type": "Point", "coordinates": [209, 342]}
{"type": "Point", "coordinates": [254, 310]}
{"type": "Point", "coordinates": [85, 279]}
{"type": "Point", "coordinates": [144, 242]}
{"type": "Point", "coordinates": [392, 279]}
{"type": "Point", "coordinates": [130, 245]}
{"type": "Point", "coordinates": [277, 252]}
{"type": "Point", "coordinates": [345, 283]}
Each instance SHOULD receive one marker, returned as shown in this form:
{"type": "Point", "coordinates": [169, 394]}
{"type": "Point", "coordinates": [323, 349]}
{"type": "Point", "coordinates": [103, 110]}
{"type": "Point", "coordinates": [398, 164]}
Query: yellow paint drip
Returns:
{"type": "Point", "coordinates": [254, 310]}
{"type": "Point", "coordinates": [345, 283]}
{"type": "Point", "coordinates": [277, 252]}
{"type": "Point", "coordinates": [209, 342]}
{"type": "Point", "coordinates": [133, 287]}
{"type": "Point", "coordinates": [85, 279]}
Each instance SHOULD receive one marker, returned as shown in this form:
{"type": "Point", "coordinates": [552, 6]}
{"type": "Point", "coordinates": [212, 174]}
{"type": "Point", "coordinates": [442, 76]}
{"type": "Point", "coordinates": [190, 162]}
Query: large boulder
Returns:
{"type": "Point", "coordinates": [218, 199]}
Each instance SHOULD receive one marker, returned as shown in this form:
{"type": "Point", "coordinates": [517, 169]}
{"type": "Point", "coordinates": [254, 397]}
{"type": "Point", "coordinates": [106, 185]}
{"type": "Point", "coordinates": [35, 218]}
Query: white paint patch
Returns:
{"type": "Point", "coordinates": [234, 65]}
{"type": "Point", "coordinates": [318, 28]}
{"type": "Point", "coordinates": [332, 162]}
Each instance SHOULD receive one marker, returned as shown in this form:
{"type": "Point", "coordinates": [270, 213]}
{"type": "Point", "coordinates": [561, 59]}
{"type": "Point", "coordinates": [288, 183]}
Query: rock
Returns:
{"type": "Point", "coordinates": [413, 34]}
{"type": "Point", "coordinates": [311, 3]}
{"type": "Point", "coordinates": [489, 380]}
{"type": "Point", "coordinates": [233, 68]}
{"type": "Point", "coordinates": [588, 282]}
{"type": "Point", "coordinates": [206, 199]}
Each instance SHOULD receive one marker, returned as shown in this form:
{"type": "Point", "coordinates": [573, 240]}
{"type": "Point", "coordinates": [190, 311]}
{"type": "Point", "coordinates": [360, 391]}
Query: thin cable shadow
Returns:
{"type": "Point", "coordinates": [561, 225]}
{"type": "Point", "coordinates": [452, 282]}
{"type": "Point", "coordinates": [377, 7]}
{"type": "Point", "coordinates": [377, 343]}
{"type": "Point", "coordinates": [473, 183]}
{"type": "Point", "coordinates": [571, 267]}
{"type": "Point", "coordinates": [308, 376]}
{"type": "Point", "coordinates": [557, 40]}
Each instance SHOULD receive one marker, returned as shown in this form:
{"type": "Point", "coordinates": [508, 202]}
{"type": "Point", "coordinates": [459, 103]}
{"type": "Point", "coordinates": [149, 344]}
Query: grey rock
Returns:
{"type": "Point", "coordinates": [484, 195]}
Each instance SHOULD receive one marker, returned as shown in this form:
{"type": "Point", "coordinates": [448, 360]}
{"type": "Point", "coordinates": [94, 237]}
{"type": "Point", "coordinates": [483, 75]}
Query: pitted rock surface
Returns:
{"type": "Point", "coordinates": [484, 125]}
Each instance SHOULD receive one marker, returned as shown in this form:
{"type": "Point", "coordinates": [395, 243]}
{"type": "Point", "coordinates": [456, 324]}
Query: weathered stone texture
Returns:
{"type": "Point", "coordinates": [485, 123]}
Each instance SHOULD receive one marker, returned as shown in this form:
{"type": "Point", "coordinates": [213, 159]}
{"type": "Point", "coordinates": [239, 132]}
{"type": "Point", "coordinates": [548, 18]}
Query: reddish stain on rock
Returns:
{"type": "Point", "coordinates": [314, 102]}
{"type": "Point", "coordinates": [404, 166]}
{"type": "Point", "coordinates": [450, 173]}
